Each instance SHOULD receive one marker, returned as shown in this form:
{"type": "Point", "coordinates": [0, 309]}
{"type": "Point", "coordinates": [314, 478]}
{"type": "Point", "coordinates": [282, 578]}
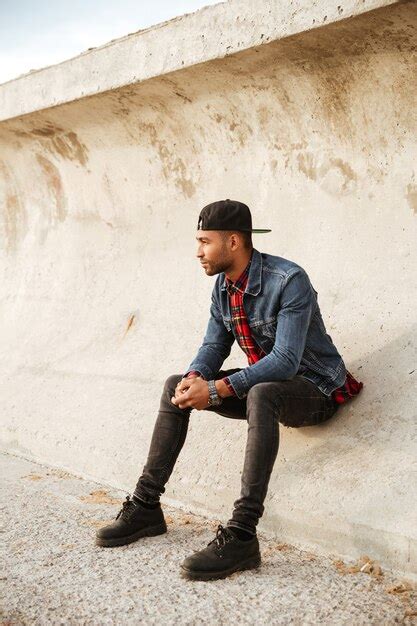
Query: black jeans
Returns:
{"type": "Point", "coordinates": [296, 402]}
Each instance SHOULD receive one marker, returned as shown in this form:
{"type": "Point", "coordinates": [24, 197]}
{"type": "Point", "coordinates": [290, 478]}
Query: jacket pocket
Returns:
{"type": "Point", "coordinates": [269, 329]}
{"type": "Point", "coordinates": [264, 328]}
{"type": "Point", "coordinates": [228, 323]}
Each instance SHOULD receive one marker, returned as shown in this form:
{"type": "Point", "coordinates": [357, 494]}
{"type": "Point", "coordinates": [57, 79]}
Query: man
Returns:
{"type": "Point", "coordinates": [295, 376]}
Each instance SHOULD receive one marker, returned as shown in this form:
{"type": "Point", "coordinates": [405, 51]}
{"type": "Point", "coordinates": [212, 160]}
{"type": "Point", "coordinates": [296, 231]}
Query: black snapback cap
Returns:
{"type": "Point", "coordinates": [227, 215]}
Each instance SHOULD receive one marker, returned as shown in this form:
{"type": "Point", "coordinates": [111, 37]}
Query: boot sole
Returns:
{"type": "Point", "coordinates": [252, 563]}
{"type": "Point", "coordinates": [150, 531]}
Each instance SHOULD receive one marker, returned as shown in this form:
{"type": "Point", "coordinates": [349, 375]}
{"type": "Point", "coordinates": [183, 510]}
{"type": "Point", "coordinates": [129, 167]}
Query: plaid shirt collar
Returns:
{"type": "Point", "coordinates": [241, 282]}
{"type": "Point", "coordinates": [254, 278]}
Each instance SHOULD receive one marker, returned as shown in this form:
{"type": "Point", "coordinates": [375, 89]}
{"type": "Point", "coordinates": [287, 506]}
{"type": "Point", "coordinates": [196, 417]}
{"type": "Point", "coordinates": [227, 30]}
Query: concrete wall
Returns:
{"type": "Point", "coordinates": [99, 202]}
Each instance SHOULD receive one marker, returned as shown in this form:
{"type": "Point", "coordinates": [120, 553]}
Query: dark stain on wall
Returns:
{"type": "Point", "coordinates": [56, 209]}
{"type": "Point", "coordinates": [411, 196]}
{"type": "Point", "coordinates": [13, 214]}
{"type": "Point", "coordinates": [59, 141]}
{"type": "Point", "coordinates": [170, 161]}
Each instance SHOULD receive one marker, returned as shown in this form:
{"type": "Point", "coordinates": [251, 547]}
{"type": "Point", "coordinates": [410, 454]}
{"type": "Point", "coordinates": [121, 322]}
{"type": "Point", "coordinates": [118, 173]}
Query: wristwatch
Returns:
{"type": "Point", "coordinates": [214, 398]}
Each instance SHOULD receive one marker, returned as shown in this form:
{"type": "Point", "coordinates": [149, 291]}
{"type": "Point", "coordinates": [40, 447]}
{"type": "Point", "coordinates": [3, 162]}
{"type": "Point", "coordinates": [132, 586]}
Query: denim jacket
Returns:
{"type": "Point", "coordinates": [285, 320]}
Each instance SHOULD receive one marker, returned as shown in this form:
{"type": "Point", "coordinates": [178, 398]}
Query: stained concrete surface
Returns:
{"type": "Point", "coordinates": [53, 573]}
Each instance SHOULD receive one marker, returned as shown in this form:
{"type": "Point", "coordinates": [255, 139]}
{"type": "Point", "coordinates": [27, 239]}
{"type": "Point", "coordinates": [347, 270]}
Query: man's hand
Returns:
{"type": "Point", "coordinates": [192, 392]}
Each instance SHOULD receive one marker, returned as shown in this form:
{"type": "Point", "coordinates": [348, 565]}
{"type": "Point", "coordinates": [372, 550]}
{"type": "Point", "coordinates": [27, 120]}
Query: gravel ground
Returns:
{"type": "Point", "coordinates": [53, 573]}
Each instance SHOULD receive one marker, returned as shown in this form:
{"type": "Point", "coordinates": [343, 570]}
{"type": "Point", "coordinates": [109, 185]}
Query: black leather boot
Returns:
{"type": "Point", "coordinates": [224, 555]}
{"type": "Point", "coordinates": [132, 522]}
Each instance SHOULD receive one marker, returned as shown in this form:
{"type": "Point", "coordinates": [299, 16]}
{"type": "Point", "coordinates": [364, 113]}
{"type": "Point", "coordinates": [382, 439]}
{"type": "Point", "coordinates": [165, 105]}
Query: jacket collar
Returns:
{"type": "Point", "coordinates": [254, 278]}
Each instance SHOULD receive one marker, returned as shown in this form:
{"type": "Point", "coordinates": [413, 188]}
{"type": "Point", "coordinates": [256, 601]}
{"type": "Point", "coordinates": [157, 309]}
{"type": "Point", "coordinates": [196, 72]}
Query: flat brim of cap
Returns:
{"type": "Point", "coordinates": [260, 230]}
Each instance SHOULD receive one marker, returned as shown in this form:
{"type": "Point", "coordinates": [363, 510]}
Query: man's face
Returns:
{"type": "Point", "coordinates": [213, 252]}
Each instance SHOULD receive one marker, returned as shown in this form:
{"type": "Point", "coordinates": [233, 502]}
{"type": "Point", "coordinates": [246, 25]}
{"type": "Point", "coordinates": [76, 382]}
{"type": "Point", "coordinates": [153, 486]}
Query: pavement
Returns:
{"type": "Point", "coordinates": [53, 573]}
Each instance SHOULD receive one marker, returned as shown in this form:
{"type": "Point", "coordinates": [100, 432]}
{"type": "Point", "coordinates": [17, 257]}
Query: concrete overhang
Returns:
{"type": "Point", "coordinates": [210, 33]}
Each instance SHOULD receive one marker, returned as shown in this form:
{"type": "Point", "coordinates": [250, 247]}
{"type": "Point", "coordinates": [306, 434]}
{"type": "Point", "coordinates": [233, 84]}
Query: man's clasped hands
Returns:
{"type": "Point", "coordinates": [191, 392]}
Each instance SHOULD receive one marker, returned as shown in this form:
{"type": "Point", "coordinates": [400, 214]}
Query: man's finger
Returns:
{"type": "Point", "coordinates": [185, 383]}
{"type": "Point", "coordinates": [183, 397]}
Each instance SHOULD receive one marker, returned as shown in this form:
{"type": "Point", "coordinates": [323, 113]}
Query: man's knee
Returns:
{"type": "Point", "coordinates": [262, 392]}
{"type": "Point", "coordinates": [172, 381]}
{"type": "Point", "coordinates": [267, 396]}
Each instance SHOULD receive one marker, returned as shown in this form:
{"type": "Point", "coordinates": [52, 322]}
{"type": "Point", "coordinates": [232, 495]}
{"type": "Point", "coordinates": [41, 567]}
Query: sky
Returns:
{"type": "Point", "coordinates": [37, 33]}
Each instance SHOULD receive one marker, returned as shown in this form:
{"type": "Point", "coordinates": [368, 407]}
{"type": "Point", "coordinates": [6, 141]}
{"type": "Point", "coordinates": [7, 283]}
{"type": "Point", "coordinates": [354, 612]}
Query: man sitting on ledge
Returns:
{"type": "Point", "coordinates": [295, 376]}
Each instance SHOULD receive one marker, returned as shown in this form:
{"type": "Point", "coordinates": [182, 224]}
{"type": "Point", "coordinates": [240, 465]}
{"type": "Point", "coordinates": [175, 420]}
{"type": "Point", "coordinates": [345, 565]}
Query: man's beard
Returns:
{"type": "Point", "coordinates": [217, 268]}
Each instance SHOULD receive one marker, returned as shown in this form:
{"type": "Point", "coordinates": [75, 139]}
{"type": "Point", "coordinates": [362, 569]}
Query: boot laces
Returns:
{"type": "Point", "coordinates": [223, 535]}
{"type": "Point", "coordinates": [127, 509]}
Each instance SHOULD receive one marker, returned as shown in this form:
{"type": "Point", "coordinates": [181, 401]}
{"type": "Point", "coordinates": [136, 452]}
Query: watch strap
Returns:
{"type": "Point", "coordinates": [215, 399]}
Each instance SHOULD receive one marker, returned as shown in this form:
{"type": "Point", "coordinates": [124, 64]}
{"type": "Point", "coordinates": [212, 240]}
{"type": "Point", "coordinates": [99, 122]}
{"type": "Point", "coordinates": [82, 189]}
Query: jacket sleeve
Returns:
{"type": "Point", "coordinates": [216, 346]}
{"type": "Point", "coordinates": [188, 374]}
{"type": "Point", "coordinates": [298, 304]}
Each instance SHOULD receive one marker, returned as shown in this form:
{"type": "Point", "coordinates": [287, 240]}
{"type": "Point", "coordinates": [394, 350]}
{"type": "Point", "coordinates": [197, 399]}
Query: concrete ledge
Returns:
{"type": "Point", "coordinates": [210, 33]}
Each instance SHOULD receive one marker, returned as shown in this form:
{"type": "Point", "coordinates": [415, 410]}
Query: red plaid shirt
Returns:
{"type": "Point", "coordinates": [351, 386]}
